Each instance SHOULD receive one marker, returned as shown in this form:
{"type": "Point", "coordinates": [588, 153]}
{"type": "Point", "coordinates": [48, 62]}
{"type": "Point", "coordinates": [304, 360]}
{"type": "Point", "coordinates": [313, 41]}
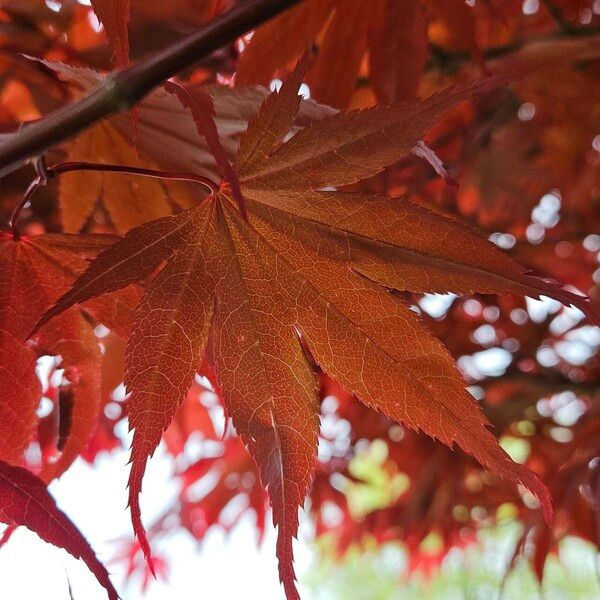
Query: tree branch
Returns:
{"type": "Point", "coordinates": [124, 88]}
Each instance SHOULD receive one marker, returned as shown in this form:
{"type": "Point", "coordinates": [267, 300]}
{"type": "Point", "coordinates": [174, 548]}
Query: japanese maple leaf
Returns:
{"type": "Point", "coordinates": [202, 107]}
{"type": "Point", "coordinates": [155, 141]}
{"type": "Point", "coordinates": [24, 500]}
{"type": "Point", "coordinates": [309, 268]}
{"type": "Point", "coordinates": [34, 271]}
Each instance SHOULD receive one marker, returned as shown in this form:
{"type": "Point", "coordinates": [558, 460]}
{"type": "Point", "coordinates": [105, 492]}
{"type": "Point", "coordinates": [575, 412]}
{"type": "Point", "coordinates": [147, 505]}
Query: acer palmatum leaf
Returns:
{"type": "Point", "coordinates": [19, 387]}
{"type": "Point", "coordinates": [404, 246]}
{"type": "Point", "coordinates": [312, 265]}
{"type": "Point", "coordinates": [268, 284]}
{"type": "Point", "coordinates": [135, 257]}
{"type": "Point", "coordinates": [114, 15]}
{"type": "Point", "coordinates": [258, 356]}
{"type": "Point", "coordinates": [270, 49]}
{"type": "Point", "coordinates": [164, 132]}
{"type": "Point", "coordinates": [333, 77]}
{"type": "Point", "coordinates": [398, 49]}
{"type": "Point", "coordinates": [392, 34]}
{"type": "Point", "coordinates": [144, 248]}
{"type": "Point", "coordinates": [25, 500]}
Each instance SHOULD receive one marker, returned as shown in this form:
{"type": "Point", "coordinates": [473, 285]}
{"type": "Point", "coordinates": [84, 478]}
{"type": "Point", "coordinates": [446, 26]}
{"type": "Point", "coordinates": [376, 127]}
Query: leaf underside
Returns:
{"type": "Point", "coordinates": [309, 267]}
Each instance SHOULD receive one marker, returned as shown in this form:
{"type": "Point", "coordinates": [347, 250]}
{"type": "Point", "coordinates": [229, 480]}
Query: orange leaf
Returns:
{"type": "Point", "coordinates": [308, 269]}
{"type": "Point", "coordinates": [344, 43]}
{"type": "Point", "coordinates": [165, 132]}
{"type": "Point", "coordinates": [395, 34]}
{"type": "Point", "coordinates": [281, 41]}
{"type": "Point", "coordinates": [267, 129]}
{"type": "Point", "coordinates": [164, 351]}
{"type": "Point", "coordinates": [345, 148]}
{"type": "Point", "coordinates": [34, 272]}
{"type": "Point", "coordinates": [202, 107]}
{"type": "Point", "coordinates": [19, 397]}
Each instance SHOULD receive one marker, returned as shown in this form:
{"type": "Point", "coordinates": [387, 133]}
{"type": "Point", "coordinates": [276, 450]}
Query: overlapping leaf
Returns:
{"type": "Point", "coordinates": [393, 33]}
{"type": "Point", "coordinates": [165, 132]}
{"type": "Point", "coordinates": [202, 107]}
{"type": "Point", "coordinates": [164, 136]}
{"type": "Point", "coordinates": [33, 273]}
{"type": "Point", "coordinates": [398, 49]}
{"type": "Point", "coordinates": [310, 269]}
{"type": "Point", "coordinates": [129, 201]}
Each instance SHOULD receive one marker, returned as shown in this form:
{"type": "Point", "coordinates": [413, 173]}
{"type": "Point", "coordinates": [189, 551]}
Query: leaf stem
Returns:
{"type": "Point", "coordinates": [123, 89]}
{"type": "Point", "coordinates": [45, 174]}
{"type": "Point", "coordinates": [66, 167]}
{"type": "Point", "coordinates": [34, 185]}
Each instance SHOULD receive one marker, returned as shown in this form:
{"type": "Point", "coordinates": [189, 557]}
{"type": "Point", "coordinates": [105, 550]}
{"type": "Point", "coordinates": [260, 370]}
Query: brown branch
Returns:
{"type": "Point", "coordinates": [122, 89]}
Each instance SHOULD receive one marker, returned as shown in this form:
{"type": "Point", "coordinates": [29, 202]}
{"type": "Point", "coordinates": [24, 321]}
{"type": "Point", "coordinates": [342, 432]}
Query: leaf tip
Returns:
{"type": "Point", "coordinates": [538, 488]}
{"type": "Point", "coordinates": [285, 555]}
{"type": "Point", "coordinates": [138, 467]}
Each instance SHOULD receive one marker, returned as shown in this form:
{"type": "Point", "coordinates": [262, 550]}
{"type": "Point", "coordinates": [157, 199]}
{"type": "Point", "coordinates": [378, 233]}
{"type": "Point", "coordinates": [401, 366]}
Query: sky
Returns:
{"type": "Point", "coordinates": [222, 567]}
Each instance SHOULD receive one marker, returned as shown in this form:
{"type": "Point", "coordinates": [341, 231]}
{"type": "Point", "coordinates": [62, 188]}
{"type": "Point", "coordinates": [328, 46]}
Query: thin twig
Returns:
{"type": "Point", "coordinates": [46, 174]}
{"type": "Point", "coordinates": [122, 89]}
{"type": "Point", "coordinates": [66, 167]}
